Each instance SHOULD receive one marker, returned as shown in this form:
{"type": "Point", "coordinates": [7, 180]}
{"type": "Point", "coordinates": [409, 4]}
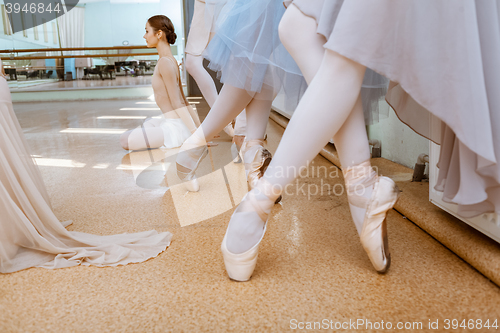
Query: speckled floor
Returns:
{"type": "Point", "coordinates": [311, 266]}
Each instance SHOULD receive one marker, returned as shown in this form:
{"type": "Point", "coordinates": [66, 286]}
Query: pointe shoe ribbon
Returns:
{"type": "Point", "coordinates": [196, 155]}
{"type": "Point", "coordinates": [256, 164]}
{"type": "Point", "coordinates": [229, 129]}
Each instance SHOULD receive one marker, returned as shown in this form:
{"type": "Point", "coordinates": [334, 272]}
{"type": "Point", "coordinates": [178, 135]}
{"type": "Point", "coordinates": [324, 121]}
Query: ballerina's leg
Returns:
{"type": "Point", "coordinates": [298, 33]}
{"type": "Point", "coordinates": [323, 109]}
{"type": "Point", "coordinates": [194, 65]}
{"type": "Point", "coordinates": [331, 106]}
{"type": "Point", "coordinates": [257, 114]}
{"type": "Point", "coordinates": [142, 138]}
{"type": "Point", "coordinates": [229, 104]}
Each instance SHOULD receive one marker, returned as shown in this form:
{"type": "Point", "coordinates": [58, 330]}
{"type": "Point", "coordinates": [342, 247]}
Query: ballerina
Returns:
{"type": "Point", "coordinates": [328, 39]}
{"type": "Point", "coordinates": [30, 233]}
{"type": "Point", "coordinates": [250, 60]}
{"type": "Point", "coordinates": [200, 34]}
{"type": "Point", "coordinates": [179, 120]}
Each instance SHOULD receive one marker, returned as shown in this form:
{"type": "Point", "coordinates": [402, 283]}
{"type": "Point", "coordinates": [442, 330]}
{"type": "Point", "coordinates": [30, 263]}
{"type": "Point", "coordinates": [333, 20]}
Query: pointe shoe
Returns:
{"type": "Point", "coordinates": [192, 185]}
{"type": "Point", "coordinates": [240, 266]}
{"type": "Point", "coordinates": [256, 165]}
{"type": "Point", "coordinates": [373, 234]}
{"type": "Point", "coordinates": [229, 130]}
{"type": "Point", "coordinates": [188, 159]}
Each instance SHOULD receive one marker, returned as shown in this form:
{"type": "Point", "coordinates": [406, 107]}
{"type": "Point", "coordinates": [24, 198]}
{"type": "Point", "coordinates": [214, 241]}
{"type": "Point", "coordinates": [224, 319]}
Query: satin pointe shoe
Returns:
{"type": "Point", "coordinates": [384, 197]}
{"type": "Point", "coordinates": [191, 153]}
{"type": "Point", "coordinates": [256, 159]}
{"type": "Point", "coordinates": [373, 234]}
{"type": "Point", "coordinates": [240, 267]}
{"type": "Point", "coordinates": [193, 185]}
{"type": "Point", "coordinates": [252, 210]}
{"type": "Point", "coordinates": [229, 129]}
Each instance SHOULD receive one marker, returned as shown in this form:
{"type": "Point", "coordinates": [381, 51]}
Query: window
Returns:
{"type": "Point", "coordinates": [54, 32]}
{"type": "Point", "coordinates": [45, 32]}
{"type": "Point", "coordinates": [7, 28]}
{"type": "Point", "coordinates": [35, 27]}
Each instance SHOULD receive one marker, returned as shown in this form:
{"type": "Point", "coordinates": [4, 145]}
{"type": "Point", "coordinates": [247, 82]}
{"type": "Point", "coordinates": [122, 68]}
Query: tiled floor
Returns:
{"type": "Point", "coordinates": [311, 266]}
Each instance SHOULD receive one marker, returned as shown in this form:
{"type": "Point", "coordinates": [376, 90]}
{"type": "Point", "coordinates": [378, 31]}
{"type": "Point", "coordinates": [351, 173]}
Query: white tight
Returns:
{"type": "Point", "coordinates": [240, 126]}
{"type": "Point", "coordinates": [229, 104]}
{"type": "Point", "coordinates": [194, 65]}
{"type": "Point", "coordinates": [331, 107]}
{"type": "Point", "coordinates": [148, 135]}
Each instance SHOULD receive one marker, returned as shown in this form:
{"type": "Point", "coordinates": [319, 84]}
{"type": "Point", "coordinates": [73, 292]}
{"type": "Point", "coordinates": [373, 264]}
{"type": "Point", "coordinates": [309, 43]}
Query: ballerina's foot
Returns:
{"type": "Point", "coordinates": [189, 157]}
{"type": "Point", "coordinates": [383, 194]}
{"type": "Point", "coordinates": [229, 130]}
{"type": "Point", "coordinates": [193, 185]}
{"type": "Point", "coordinates": [256, 159]}
{"type": "Point", "coordinates": [245, 231]}
{"type": "Point", "coordinates": [374, 233]}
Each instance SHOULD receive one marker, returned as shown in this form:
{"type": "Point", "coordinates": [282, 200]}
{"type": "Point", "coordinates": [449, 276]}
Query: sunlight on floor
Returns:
{"type": "Point", "coordinates": [94, 130]}
{"type": "Point", "coordinates": [58, 163]}
{"type": "Point", "coordinates": [140, 109]}
{"type": "Point", "coordinates": [122, 117]}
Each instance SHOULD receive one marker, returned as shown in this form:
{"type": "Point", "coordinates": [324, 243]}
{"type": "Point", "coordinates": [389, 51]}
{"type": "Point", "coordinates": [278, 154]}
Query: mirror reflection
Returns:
{"type": "Point", "coordinates": [97, 44]}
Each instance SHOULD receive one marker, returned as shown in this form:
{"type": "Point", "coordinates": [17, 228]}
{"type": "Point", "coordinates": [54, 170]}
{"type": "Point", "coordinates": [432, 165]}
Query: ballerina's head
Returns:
{"type": "Point", "coordinates": [159, 29]}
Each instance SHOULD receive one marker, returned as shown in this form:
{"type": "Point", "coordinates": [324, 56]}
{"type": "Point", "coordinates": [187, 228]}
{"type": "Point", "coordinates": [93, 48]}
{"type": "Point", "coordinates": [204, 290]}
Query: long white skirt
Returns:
{"type": "Point", "coordinates": [443, 58]}
{"type": "Point", "coordinates": [30, 233]}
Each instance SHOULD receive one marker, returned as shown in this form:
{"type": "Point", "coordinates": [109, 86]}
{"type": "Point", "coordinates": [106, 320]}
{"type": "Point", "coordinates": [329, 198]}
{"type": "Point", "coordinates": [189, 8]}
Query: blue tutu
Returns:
{"type": "Point", "coordinates": [246, 51]}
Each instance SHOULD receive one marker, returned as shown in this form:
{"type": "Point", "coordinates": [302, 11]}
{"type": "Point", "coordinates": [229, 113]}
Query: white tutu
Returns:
{"type": "Point", "coordinates": [175, 132]}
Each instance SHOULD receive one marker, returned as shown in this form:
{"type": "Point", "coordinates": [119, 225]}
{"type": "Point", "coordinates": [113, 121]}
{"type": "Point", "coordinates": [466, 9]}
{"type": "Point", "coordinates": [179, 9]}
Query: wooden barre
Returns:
{"type": "Point", "coordinates": [81, 56]}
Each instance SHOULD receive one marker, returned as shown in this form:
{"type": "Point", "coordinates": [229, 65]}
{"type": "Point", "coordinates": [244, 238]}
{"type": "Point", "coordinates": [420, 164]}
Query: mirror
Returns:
{"type": "Point", "coordinates": [115, 25]}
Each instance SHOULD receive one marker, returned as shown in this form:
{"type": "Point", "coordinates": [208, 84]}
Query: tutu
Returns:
{"type": "Point", "coordinates": [374, 87]}
{"type": "Point", "coordinates": [246, 51]}
{"type": "Point", "coordinates": [175, 132]}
